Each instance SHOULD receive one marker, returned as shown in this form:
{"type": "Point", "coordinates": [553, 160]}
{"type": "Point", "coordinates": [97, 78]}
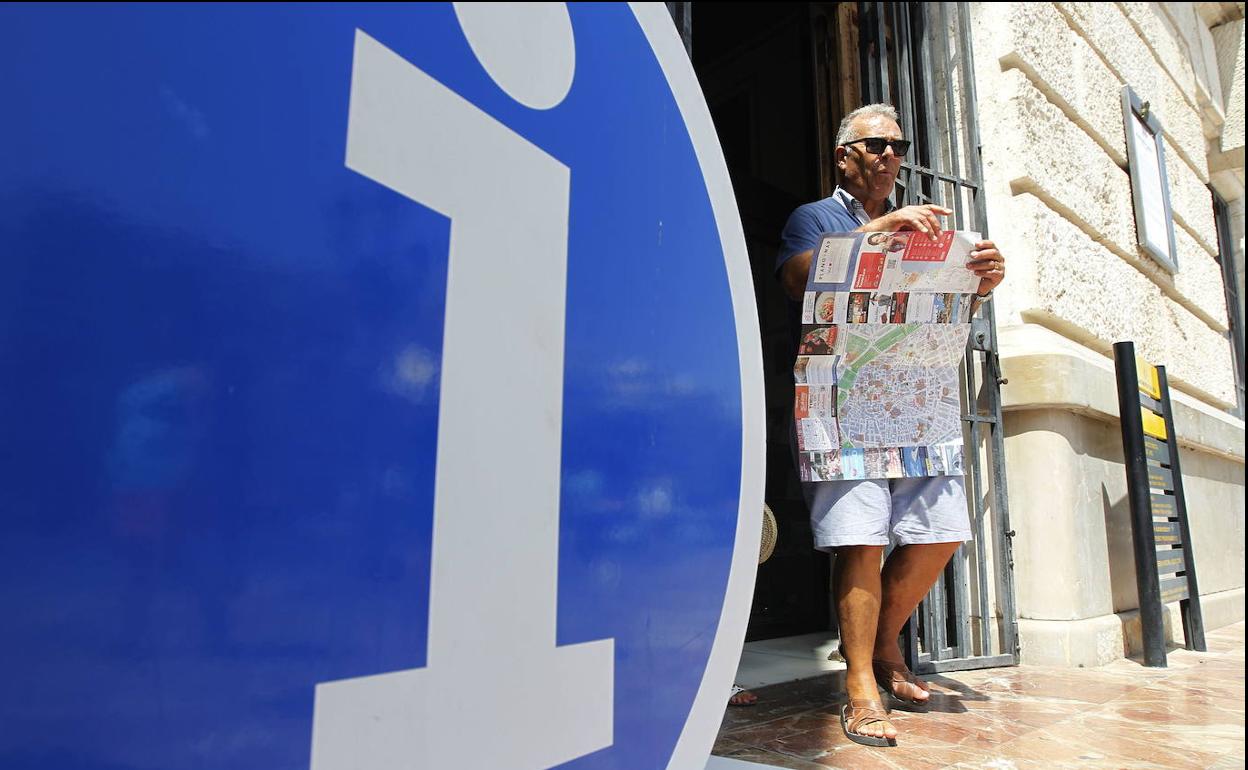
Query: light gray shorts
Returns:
{"type": "Point", "coordinates": [915, 510]}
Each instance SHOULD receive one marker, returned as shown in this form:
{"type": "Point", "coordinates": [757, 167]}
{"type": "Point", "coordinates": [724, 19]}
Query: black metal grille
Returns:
{"type": "Point", "coordinates": [917, 57]}
{"type": "Point", "coordinates": [1226, 252]}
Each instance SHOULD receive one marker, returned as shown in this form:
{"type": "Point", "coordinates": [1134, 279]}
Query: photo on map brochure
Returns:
{"type": "Point", "coordinates": [953, 458]}
{"type": "Point", "coordinates": [881, 308]}
{"type": "Point", "coordinates": [853, 464]}
{"type": "Point", "coordinates": [960, 309]}
{"type": "Point", "coordinates": [893, 468]}
{"type": "Point", "coordinates": [873, 463]}
{"type": "Point", "coordinates": [929, 467]}
{"type": "Point", "coordinates": [889, 243]}
{"type": "Point", "coordinates": [859, 307]}
{"type": "Point", "coordinates": [900, 300]}
{"type": "Point", "coordinates": [912, 461]}
{"type": "Point", "coordinates": [830, 307]}
{"type": "Point", "coordinates": [799, 369]}
{"type": "Point", "coordinates": [897, 243]}
{"type": "Point", "coordinates": [820, 466]}
{"type": "Point", "coordinates": [817, 341]}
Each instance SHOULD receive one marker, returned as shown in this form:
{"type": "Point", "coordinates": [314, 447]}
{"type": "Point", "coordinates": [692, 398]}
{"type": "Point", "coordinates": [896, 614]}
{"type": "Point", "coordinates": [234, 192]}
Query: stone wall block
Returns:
{"type": "Point", "coordinates": [1105, 27]}
{"type": "Point", "coordinates": [1229, 43]}
{"type": "Point", "coordinates": [1056, 533]}
{"type": "Point", "coordinates": [1192, 28]}
{"type": "Point", "coordinates": [1215, 493]}
{"type": "Point", "coordinates": [1072, 276]}
{"type": "Point", "coordinates": [1199, 279]}
{"type": "Point", "coordinates": [1190, 200]}
{"type": "Point", "coordinates": [1170, 50]}
{"type": "Point", "coordinates": [1051, 156]}
{"type": "Point", "coordinates": [1087, 188]}
{"type": "Point", "coordinates": [1069, 71]}
{"type": "Point", "coordinates": [1110, 33]}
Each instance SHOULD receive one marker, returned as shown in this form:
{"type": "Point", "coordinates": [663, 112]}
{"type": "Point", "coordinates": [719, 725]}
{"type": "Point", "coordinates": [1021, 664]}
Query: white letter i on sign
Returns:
{"type": "Point", "coordinates": [496, 692]}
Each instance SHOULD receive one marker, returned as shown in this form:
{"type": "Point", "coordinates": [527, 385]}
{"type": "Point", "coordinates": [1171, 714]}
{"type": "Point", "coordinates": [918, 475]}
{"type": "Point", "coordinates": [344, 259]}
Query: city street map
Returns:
{"type": "Point", "coordinates": [885, 321]}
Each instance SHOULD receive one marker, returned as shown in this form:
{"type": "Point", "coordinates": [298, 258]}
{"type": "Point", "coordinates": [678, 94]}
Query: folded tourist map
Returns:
{"type": "Point", "coordinates": [885, 320]}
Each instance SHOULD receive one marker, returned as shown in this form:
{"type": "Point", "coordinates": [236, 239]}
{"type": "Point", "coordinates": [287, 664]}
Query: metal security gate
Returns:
{"type": "Point", "coordinates": [917, 57]}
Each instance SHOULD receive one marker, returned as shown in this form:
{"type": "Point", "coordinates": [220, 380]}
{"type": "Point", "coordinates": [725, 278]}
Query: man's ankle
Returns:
{"type": "Point", "coordinates": [861, 686]}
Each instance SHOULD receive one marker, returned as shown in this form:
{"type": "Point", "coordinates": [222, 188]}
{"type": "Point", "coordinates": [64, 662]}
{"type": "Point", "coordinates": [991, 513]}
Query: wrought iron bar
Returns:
{"type": "Point", "coordinates": [1003, 547]}
{"type": "Point", "coordinates": [951, 116]}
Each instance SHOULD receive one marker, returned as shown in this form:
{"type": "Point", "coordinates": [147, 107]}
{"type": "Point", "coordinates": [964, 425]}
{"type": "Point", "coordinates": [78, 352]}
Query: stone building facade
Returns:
{"type": "Point", "coordinates": [1050, 77]}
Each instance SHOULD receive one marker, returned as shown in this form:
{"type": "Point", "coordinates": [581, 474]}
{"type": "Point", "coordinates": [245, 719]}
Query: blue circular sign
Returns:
{"type": "Point", "coordinates": [381, 384]}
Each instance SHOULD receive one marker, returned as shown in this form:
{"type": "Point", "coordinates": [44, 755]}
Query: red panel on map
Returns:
{"type": "Point", "coordinates": [923, 249]}
{"type": "Point", "coordinates": [870, 270]}
{"type": "Point", "coordinates": [801, 404]}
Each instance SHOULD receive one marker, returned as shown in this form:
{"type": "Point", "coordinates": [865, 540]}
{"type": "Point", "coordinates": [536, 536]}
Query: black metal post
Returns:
{"type": "Point", "coordinates": [1152, 625]}
{"type": "Point", "coordinates": [1193, 618]}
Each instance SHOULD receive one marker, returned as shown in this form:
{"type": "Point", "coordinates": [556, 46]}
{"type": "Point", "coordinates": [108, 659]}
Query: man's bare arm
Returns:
{"type": "Point", "coordinates": [793, 274]}
{"type": "Point", "coordinates": [924, 219]}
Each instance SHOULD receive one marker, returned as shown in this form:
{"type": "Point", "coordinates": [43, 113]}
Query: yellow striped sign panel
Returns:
{"type": "Point", "coordinates": [1146, 373]}
{"type": "Point", "coordinates": [1163, 506]}
{"type": "Point", "coordinates": [1170, 561]}
{"type": "Point", "coordinates": [1154, 425]}
{"type": "Point", "coordinates": [1156, 451]}
{"type": "Point", "coordinates": [1165, 533]}
{"type": "Point", "coordinates": [1160, 478]}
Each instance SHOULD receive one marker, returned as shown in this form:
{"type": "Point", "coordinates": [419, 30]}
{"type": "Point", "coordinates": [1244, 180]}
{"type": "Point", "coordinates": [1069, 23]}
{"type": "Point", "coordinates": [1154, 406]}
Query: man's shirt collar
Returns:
{"type": "Point", "coordinates": [855, 207]}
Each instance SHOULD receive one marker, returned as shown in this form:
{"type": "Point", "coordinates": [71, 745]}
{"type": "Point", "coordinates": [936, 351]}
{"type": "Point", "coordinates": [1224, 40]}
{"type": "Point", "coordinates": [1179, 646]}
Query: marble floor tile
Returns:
{"type": "Point", "coordinates": [1189, 714]}
{"type": "Point", "coordinates": [769, 758]}
{"type": "Point", "coordinates": [1065, 746]}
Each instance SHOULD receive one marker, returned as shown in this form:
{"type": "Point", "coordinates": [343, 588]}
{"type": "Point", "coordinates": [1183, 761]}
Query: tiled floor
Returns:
{"type": "Point", "coordinates": [1124, 715]}
{"type": "Point", "coordinates": [783, 660]}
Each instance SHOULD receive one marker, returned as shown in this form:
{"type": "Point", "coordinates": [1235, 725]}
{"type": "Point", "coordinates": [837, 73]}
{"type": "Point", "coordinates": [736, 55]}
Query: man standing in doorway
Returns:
{"type": "Point", "coordinates": [927, 516]}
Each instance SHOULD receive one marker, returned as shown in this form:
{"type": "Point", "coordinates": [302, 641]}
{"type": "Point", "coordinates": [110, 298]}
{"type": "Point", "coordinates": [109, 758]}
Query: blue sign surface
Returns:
{"type": "Point", "coordinates": [223, 366]}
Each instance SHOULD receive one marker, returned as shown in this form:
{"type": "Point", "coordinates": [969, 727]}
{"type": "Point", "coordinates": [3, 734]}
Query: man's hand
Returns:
{"type": "Point", "coordinates": [987, 263]}
{"type": "Point", "coordinates": [924, 219]}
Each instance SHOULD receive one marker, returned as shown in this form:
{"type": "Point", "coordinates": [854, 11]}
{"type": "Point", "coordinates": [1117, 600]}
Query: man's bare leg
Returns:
{"type": "Point", "coordinates": [909, 573]}
{"type": "Point", "coordinates": [857, 587]}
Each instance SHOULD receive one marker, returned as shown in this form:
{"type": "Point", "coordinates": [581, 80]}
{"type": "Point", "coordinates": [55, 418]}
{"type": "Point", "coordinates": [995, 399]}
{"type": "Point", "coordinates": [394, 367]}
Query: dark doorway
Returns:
{"type": "Point", "coordinates": [756, 65]}
{"type": "Point", "coordinates": [778, 77]}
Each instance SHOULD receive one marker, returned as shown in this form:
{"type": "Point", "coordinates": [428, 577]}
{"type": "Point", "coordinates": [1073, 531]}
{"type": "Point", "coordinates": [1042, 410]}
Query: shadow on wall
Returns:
{"type": "Point", "coordinates": [1120, 553]}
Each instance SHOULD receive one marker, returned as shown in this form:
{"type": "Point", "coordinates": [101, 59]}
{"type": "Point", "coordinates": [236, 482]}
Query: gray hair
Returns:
{"type": "Point", "coordinates": [844, 134]}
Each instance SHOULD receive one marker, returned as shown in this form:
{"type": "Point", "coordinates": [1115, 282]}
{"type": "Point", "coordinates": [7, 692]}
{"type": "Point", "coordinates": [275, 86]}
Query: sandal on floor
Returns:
{"type": "Point", "coordinates": [858, 713]}
{"type": "Point", "coordinates": [888, 675]}
{"type": "Point", "coordinates": [737, 689]}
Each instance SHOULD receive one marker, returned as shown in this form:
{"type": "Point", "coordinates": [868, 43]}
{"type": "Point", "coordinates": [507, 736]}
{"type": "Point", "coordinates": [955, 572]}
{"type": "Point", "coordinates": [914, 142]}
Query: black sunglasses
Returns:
{"type": "Point", "coordinates": [876, 144]}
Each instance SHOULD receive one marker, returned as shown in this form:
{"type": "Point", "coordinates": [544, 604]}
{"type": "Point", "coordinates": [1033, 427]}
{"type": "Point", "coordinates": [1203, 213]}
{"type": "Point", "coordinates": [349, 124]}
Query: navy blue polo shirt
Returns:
{"type": "Point", "coordinates": [838, 213]}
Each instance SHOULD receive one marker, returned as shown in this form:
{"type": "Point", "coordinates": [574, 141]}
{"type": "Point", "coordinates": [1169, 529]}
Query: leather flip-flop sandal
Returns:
{"type": "Point", "coordinates": [888, 675]}
{"type": "Point", "coordinates": [856, 714]}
